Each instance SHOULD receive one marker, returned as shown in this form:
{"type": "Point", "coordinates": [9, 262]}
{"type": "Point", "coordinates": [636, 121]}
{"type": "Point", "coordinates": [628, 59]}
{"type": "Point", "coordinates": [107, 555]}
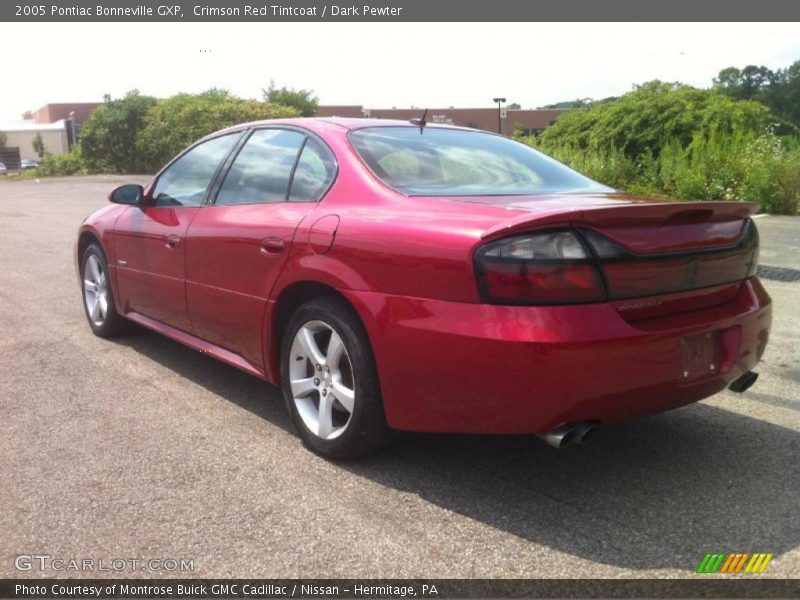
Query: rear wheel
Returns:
{"type": "Point", "coordinates": [330, 382]}
{"type": "Point", "coordinates": [98, 297]}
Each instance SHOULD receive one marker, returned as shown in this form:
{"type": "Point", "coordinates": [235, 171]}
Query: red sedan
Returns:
{"type": "Point", "coordinates": [401, 276]}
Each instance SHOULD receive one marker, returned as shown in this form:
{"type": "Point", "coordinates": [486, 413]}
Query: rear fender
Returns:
{"type": "Point", "coordinates": [309, 268]}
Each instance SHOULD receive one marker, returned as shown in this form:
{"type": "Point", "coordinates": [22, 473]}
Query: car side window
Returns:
{"type": "Point", "coordinates": [314, 173]}
{"type": "Point", "coordinates": [186, 180]}
{"type": "Point", "coordinates": [261, 171]}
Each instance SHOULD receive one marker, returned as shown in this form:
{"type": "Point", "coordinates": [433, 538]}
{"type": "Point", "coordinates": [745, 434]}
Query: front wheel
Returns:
{"type": "Point", "coordinates": [330, 382]}
{"type": "Point", "coordinates": [98, 297]}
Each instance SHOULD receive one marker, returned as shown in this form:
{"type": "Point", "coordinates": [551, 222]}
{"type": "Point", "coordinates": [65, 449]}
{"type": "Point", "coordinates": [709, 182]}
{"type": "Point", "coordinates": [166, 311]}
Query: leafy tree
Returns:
{"type": "Point", "coordinates": [779, 90]}
{"type": "Point", "coordinates": [783, 96]}
{"type": "Point", "coordinates": [108, 138]}
{"type": "Point", "coordinates": [512, 106]}
{"type": "Point", "coordinates": [578, 103]}
{"type": "Point", "coordinates": [38, 144]}
{"type": "Point", "coordinates": [729, 82]}
{"type": "Point", "coordinates": [304, 101]}
{"type": "Point", "coordinates": [175, 122]}
{"type": "Point", "coordinates": [652, 115]}
{"type": "Point", "coordinates": [3, 139]}
{"type": "Point", "coordinates": [746, 84]}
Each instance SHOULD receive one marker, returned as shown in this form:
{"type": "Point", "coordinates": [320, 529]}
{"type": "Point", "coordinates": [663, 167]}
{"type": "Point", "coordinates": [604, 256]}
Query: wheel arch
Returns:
{"type": "Point", "coordinates": [285, 304]}
{"type": "Point", "coordinates": [86, 237]}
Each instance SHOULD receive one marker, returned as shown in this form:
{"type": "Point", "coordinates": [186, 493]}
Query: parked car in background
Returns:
{"type": "Point", "coordinates": [3, 169]}
{"type": "Point", "coordinates": [394, 275]}
{"type": "Point", "coordinates": [29, 163]}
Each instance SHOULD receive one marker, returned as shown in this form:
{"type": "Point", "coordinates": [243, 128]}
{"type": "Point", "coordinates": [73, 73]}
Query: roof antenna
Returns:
{"type": "Point", "coordinates": [421, 122]}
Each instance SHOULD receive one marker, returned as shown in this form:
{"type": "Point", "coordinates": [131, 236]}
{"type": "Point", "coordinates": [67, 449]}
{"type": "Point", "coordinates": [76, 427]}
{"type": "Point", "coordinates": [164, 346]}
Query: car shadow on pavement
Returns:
{"type": "Point", "coordinates": [223, 380]}
{"type": "Point", "coordinates": [657, 493]}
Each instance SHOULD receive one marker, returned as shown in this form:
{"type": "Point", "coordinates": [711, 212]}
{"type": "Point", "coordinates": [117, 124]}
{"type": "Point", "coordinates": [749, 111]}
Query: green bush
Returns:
{"type": "Point", "coordinates": [762, 168]}
{"type": "Point", "coordinates": [69, 163]}
{"type": "Point", "coordinates": [677, 141]}
{"type": "Point", "coordinates": [652, 115]}
{"type": "Point", "coordinates": [757, 168]}
{"type": "Point", "coordinates": [108, 137]}
{"type": "Point", "coordinates": [175, 122]}
{"type": "Point", "coordinates": [304, 101]}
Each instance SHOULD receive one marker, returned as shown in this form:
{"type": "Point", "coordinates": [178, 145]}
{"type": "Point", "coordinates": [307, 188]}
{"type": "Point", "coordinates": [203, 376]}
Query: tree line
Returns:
{"type": "Point", "coordinates": [139, 133]}
{"type": "Point", "coordinates": [737, 140]}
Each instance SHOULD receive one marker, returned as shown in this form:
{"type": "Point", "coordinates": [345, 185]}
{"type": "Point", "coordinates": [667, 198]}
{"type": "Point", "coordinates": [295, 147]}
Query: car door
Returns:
{"type": "Point", "coordinates": [150, 239]}
{"type": "Point", "coordinates": [238, 245]}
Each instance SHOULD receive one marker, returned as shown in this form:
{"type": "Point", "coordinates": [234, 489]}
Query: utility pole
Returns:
{"type": "Point", "coordinates": [499, 118]}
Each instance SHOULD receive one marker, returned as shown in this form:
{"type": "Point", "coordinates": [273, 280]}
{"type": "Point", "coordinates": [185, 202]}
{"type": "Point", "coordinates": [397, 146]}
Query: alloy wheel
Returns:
{"type": "Point", "coordinates": [95, 290]}
{"type": "Point", "coordinates": [321, 380]}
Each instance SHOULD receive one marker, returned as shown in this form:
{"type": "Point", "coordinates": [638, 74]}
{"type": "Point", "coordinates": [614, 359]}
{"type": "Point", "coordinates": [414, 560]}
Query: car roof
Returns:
{"type": "Point", "coordinates": [360, 123]}
{"type": "Point", "coordinates": [349, 123]}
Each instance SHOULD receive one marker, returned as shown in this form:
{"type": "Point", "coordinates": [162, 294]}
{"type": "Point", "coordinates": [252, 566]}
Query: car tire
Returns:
{"type": "Point", "coordinates": [98, 295]}
{"type": "Point", "coordinates": [330, 381]}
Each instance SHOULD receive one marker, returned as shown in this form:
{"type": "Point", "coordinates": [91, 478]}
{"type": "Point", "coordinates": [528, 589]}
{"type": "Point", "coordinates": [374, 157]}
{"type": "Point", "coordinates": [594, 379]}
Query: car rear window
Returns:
{"type": "Point", "coordinates": [433, 161]}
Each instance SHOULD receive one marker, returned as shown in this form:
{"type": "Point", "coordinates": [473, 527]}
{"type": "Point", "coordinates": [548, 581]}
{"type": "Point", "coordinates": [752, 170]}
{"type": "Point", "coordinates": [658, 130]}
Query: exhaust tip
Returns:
{"type": "Point", "coordinates": [572, 433]}
{"type": "Point", "coordinates": [559, 437]}
{"type": "Point", "coordinates": [744, 382]}
{"type": "Point", "coordinates": [584, 433]}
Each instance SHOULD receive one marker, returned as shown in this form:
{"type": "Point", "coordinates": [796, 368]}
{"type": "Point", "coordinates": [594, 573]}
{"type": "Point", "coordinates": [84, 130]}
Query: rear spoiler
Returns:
{"type": "Point", "coordinates": [627, 215]}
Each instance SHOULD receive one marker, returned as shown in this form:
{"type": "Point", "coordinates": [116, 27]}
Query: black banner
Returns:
{"type": "Point", "coordinates": [701, 587]}
{"type": "Point", "coordinates": [397, 10]}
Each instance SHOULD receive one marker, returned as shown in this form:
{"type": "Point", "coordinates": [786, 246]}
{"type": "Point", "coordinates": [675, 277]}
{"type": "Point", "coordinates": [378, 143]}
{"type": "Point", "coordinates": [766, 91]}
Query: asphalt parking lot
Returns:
{"type": "Point", "coordinates": [142, 448]}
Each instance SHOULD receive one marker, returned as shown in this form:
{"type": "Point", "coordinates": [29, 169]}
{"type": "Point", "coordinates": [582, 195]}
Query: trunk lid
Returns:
{"type": "Point", "coordinates": [641, 224]}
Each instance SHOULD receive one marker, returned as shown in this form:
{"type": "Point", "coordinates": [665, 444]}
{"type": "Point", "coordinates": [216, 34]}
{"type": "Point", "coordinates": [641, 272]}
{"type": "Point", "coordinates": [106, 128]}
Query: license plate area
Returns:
{"type": "Point", "coordinates": [699, 356]}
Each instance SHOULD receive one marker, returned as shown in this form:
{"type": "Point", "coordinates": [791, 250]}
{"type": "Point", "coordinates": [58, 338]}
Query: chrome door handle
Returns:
{"type": "Point", "coordinates": [271, 246]}
{"type": "Point", "coordinates": [172, 241]}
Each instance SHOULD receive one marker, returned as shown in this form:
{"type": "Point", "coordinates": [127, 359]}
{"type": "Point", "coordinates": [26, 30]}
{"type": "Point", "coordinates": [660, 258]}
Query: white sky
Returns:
{"type": "Point", "coordinates": [377, 64]}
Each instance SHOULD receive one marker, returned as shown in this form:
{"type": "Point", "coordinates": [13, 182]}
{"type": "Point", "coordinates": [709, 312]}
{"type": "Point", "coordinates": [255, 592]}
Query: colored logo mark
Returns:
{"type": "Point", "coordinates": [721, 562]}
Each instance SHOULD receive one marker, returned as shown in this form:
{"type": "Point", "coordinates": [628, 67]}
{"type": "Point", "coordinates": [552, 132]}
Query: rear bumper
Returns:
{"type": "Point", "coordinates": [477, 368]}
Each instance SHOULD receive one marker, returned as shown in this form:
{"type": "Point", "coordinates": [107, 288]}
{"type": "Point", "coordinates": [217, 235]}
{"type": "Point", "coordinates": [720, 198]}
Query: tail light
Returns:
{"type": "Point", "coordinates": [541, 268]}
{"type": "Point", "coordinates": [752, 234]}
{"type": "Point", "coordinates": [630, 275]}
{"type": "Point", "coordinates": [582, 266]}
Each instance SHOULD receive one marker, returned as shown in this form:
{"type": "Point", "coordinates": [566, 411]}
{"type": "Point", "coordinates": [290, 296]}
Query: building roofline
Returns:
{"type": "Point", "coordinates": [493, 108]}
{"type": "Point", "coordinates": [16, 126]}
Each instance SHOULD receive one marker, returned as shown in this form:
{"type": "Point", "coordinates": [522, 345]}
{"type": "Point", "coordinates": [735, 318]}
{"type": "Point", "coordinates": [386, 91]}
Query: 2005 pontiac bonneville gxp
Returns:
{"type": "Point", "coordinates": [394, 275]}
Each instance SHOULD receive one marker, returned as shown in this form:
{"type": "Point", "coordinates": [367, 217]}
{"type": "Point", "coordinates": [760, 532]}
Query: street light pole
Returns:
{"type": "Point", "coordinates": [499, 119]}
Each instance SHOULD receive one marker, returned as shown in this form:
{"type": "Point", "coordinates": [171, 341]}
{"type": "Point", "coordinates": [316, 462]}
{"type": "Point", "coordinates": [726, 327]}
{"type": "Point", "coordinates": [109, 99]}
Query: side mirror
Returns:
{"type": "Point", "coordinates": [131, 194]}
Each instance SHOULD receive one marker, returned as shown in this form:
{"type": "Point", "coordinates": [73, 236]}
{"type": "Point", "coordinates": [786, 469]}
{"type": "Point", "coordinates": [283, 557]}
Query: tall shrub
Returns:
{"type": "Point", "coordinates": [108, 138]}
{"type": "Point", "coordinates": [175, 122]}
{"type": "Point", "coordinates": [655, 113]}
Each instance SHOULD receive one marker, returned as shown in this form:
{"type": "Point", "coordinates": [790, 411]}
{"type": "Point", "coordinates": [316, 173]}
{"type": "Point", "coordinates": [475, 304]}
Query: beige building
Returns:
{"type": "Point", "coordinates": [22, 133]}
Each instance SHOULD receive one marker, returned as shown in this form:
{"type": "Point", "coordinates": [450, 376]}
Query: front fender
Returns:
{"type": "Point", "coordinates": [100, 225]}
